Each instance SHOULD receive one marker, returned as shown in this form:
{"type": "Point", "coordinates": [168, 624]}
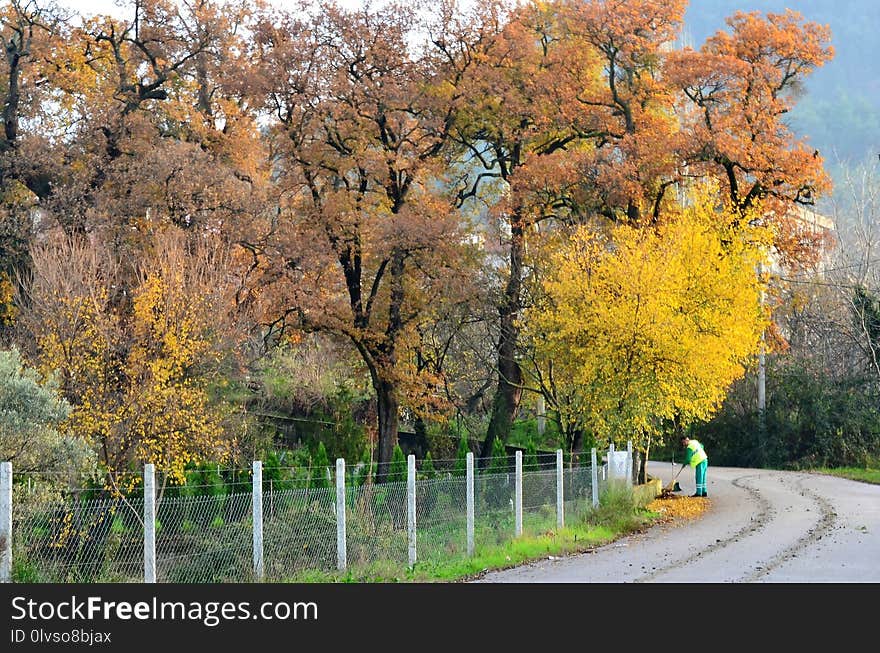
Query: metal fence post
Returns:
{"type": "Point", "coordinates": [595, 479]}
{"type": "Point", "coordinates": [518, 494]}
{"type": "Point", "coordinates": [341, 552]}
{"type": "Point", "coordinates": [560, 494]}
{"type": "Point", "coordinates": [411, 507]}
{"type": "Point", "coordinates": [470, 503]}
{"type": "Point", "coordinates": [149, 523]}
{"type": "Point", "coordinates": [257, 509]}
{"type": "Point", "coordinates": [6, 522]}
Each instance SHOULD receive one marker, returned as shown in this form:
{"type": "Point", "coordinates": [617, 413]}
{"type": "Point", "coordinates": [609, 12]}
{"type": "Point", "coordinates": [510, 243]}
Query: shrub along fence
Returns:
{"type": "Point", "coordinates": [270, 531]}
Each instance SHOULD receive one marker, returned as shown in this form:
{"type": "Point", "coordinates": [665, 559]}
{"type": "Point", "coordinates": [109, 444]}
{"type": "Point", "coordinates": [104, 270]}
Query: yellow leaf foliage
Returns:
{"type": "Point", "coordinates": [645, 323]}
{"type": "Point", "coordinates": [8, 309]}
{"type": "Point", "coordinates": [138, 373]}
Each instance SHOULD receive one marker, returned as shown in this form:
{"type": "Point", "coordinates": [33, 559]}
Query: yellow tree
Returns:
{"type": "Point", "coordinates": [138, 369]}
{"type": "Point", "coordinates": [645, 324]}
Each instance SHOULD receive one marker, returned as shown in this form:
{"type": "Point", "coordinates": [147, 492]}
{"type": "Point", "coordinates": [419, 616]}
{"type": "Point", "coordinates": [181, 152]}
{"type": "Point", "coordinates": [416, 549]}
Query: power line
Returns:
{"type": "Point", "coordinates": [820, 283]}
{"type": "Point", "coordinates": [849, 267]}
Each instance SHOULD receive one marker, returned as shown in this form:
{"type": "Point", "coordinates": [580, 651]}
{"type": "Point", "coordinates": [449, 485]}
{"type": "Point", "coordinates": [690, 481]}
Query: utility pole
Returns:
{"type": "Point", "coordinates": [762, 374]}
{"type": "Point", "coordinates": [541, 415]}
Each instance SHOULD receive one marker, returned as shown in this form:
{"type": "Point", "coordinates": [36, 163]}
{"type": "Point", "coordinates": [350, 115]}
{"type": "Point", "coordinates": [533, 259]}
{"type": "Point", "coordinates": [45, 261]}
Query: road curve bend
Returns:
{"type": "Point", "coordinates": [762, 526]}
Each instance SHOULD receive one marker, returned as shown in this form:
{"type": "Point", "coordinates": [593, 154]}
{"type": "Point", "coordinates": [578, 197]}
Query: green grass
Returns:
{"type": "Point", "coordinates": [569, 540]}
{"type": "Point", "coordinates": [616, 516]}
{"type": "Point", "coordinates": [864, 474]}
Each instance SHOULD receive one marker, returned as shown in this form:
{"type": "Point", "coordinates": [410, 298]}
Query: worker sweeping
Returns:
{"type": "Point", "coordinates": [696, 457]}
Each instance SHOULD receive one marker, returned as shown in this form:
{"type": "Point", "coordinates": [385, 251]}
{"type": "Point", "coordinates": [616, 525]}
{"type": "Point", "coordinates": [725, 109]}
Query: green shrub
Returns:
{"type": "Point", "coordinates": [320, 468]}
{"type": "Point", "coordinates": [524, 432]}
{"type": "Point", "coordinates": [32, 413]}
{"type": "Point", "coordinates": [397, 468]}
{"type": "Point", "coordinates": [427, 471]}
{"type": "Point", "coordinates": [811, 420]}
{"type": "Point", "coordinates": [617, 505]}
{"type": "Point", "coordinates": [530, 458]}
{"type": "Point", "coordinates": [499, 463]}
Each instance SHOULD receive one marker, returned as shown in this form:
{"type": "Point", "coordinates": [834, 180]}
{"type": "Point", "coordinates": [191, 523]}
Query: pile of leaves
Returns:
{"type": "Point", "coordinates": [672, 507]}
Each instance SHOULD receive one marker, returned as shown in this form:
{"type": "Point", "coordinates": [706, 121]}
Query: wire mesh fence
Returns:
{"type": "Point", "coordinates": [441, 518]}
{"type": "Point", "coordinates": [204, 539]}
{"type": "Point", "coordinates": [78, 540]}
{"type": "Point", "coordinates": [206, 533]}
{"type": "Point", "coordinates": [299, 531]}
{"type": "Point", "coordinates": [376, 525]}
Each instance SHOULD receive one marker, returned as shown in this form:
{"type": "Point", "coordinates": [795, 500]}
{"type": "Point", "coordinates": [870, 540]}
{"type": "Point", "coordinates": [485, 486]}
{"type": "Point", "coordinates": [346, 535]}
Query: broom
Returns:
{"type": "Point", "coordinates": [673, 484]}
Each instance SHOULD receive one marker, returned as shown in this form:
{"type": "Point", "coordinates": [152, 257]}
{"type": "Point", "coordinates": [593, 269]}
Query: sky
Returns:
{"type": "Point", "coordinates": [112, 6]}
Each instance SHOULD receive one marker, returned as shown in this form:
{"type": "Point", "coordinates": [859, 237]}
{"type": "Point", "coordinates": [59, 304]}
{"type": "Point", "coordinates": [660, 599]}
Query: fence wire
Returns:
{"type": "Point", "coordinates": [79, 541]}
{"type": "Point", "coordinates": [376, 526]}
{"type": "Point", "coordinates": [441, 518]}
{"type": "Point", "coordinates": [299, 531]}
{"type": "Point", "coordinates": [209, 538]}
{"type": "Point", "coordinates": [206, 539]}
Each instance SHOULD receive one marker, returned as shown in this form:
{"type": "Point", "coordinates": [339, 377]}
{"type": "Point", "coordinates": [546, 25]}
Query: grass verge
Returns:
{"type": "Point", "coordinates": [616, 516]}
{"type": "Point", "coordinates": [866, 475]}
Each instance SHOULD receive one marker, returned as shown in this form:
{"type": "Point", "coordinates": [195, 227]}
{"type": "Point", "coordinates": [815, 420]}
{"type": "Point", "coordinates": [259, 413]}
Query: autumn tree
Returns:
{"type": "Point", "coordinates": [28, 30]}
{"type": "Point", "coordinates": [739, 88]}
{"type": "Point", "coordinates": [139, 372]}
{"type": "Point", "coordinates": [168, 120]}
{"type": "Point", "coordinates": [146, 115]}
{"type": "Point", "coordinates": [643, 325]}
{"type": "Point", "coordinates": [585, 111]}
{"type": "Point", "coordinates": [512, 133]}
{"type": "Point", "coordinates": [366, 238]}
{"type": "Point", "coordinates": [633, 161]}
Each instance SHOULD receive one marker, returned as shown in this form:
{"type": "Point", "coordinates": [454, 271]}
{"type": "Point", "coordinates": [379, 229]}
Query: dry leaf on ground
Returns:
{"type": "Point", "coordinates": [672, 507]}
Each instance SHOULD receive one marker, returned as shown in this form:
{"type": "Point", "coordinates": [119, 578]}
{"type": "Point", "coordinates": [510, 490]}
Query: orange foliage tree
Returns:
{"type": "Point", "coordinates": [738, 89]}
{"type": "Point", "coordinates": [366, 238]}
{"type": "Point", "coordinates": [587, 111]}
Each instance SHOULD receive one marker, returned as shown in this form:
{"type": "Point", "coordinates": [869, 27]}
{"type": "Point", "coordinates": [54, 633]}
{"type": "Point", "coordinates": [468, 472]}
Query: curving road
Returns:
{"type": "Point", "coordinates": [762, 526]}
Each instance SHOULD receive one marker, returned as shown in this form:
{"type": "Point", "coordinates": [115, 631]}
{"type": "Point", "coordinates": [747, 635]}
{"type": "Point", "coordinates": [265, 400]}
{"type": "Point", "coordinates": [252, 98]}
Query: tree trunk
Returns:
{"type": "Point", "coordinates": [509, 389]}
{"type": "Point", "coordinates": [643, 463]}
{"type": "Point", "coordinates": [10, 108]}
{"type": "Point", "coordinates": [506, 401]}
{"type": "Point", "coordinates": [387, 405]}
{"type": "Point", "coordinates": [577, 446]}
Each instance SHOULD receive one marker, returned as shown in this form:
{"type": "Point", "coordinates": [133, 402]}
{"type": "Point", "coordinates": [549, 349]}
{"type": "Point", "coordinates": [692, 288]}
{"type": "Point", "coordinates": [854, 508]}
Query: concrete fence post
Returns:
{"type": "Point", "coordinates": [257, 513]}
{"type": "Point", "coordinates": [6, 522]}
{"type": "Point", "coordinates": [411, 507]}
{"type": "Point", "coordinates": [469, 488]}
{"type": "Point", "coordinates": [629, 462]}
{"type": "Point", "coordinates": [149, 523]}
{"type": "Point", "coordinates": [341, 551]}
{"type": "Point", "coordinates": [595, 478]}
{"type": "Point", "coordinates": [518, 495]}
{"type": "Point", "coordinates": [560, 493]}
{"type": "Point", "coordinates": [609, 464]}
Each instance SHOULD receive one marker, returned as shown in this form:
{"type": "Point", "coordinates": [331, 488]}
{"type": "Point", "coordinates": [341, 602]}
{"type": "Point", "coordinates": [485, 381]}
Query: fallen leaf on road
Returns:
{"type": "Point", "coordinates": [674, 507]}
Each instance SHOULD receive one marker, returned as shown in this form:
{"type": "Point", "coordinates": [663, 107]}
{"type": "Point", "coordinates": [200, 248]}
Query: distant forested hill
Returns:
{"type": "Point", "coordinates": [840, 113]}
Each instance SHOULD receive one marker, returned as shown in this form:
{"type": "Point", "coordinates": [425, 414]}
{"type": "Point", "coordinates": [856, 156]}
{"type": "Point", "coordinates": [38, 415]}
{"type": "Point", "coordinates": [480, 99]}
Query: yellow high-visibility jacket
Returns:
{"type": "Point", "coordinates": [695, 454]}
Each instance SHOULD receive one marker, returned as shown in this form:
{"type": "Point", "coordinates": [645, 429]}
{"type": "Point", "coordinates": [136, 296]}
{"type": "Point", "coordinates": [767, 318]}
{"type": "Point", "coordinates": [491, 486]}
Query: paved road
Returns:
{"type": "Point", "coordinates": [762, 527]}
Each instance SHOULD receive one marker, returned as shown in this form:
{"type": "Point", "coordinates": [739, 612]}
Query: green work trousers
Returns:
{"type": "Point", "coordinates": [700, 478]}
